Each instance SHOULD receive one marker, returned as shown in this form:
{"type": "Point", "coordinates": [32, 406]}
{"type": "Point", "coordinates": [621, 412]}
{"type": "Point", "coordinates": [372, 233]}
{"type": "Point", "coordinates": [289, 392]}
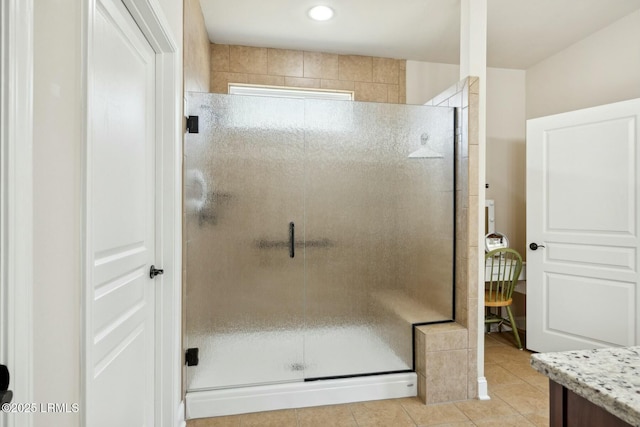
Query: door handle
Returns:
{"type": "Point", "coordinates": [5, 394]}
{"type": "Point", "coordinates": [279, 244]}
{"type": "Point", "coordinates": [292, 240]}
{"type": "Point", "coordinates": [534, 246]}
{"type": "Point", "coordinates": [153, 271]}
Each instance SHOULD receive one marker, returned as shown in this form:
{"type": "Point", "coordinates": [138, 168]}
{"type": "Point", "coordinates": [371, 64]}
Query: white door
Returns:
{"type": "Point", "coordinates": [120, 221]}
{"type": "Point", "coordinates": [583, 211]}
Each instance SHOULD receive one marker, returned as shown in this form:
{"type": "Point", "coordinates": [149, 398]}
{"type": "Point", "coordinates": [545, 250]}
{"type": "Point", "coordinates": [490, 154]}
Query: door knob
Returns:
{"type": "Point", "coordinates": [535, 246]}
{"type": "Point", "coordinates": [5, 394]}
{"type": "Point", "coordinates": [153, 272]}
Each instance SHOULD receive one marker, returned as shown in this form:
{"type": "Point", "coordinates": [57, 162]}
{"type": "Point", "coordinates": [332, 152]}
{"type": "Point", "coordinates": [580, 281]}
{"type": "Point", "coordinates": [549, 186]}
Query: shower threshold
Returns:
{"type": "Point", "coordinates": [213, 403]}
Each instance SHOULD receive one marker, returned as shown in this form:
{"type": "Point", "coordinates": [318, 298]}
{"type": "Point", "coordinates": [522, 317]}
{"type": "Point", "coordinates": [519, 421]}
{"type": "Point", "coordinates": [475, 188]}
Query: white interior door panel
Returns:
{"type": "Point", "coordinates": [121, 221]}
{"type": "Point", "coordinates": [582, 208]}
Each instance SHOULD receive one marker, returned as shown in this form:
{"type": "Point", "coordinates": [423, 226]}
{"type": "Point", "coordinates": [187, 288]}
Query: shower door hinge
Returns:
{"type": "Point", "coordinates": [191, 357]}
{"type": "Point", "coordinates": [192, 124]}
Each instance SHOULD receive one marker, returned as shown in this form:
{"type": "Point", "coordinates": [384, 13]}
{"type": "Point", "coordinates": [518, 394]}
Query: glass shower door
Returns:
{"type": "Point", "coordinates": [379, 233]}
{"type": "Point", "coordinates": [244, 201]}
{"type": "Point", "coordinates": [317, 236]}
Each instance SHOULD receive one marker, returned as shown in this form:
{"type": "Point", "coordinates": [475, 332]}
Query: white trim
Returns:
{"type": "Point", "coordinates": [212, 403]}
{"type": "Point", "coordinates": [87, 13]}
{"type": "Point", "coordinates": [180, 416]}
{"type": "Point", "coordinates": [149, 17]}
{"type": "Point", "coordinates": [169, 292]}
{"type": "Point", "coordinates": [16, 135]}
{"type": "Point", "coordinates": [289, 92]}
{"type": "Point", "coordinates": [473, 62]}
{"type": "Point", "coordinates": [483, 389]}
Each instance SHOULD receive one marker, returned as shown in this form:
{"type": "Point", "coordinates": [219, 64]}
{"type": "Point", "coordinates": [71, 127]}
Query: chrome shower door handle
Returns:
{"type": "Point", "coordinates": [292, 240]}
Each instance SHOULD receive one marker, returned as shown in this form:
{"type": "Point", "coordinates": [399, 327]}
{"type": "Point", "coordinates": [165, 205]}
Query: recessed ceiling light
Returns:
{"type": "Point", "coordinates": [321, 13]}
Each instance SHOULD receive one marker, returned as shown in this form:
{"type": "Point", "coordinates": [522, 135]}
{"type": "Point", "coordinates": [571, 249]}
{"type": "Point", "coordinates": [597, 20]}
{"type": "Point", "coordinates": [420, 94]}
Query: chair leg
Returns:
{"type": "Point", "coordinates": [513, 326]}
{"type": "Point", "coordinates": [487, 326]}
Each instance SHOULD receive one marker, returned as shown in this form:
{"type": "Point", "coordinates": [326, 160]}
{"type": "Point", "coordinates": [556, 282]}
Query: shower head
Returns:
{"type": "Point", "coordinates": [425, 152]}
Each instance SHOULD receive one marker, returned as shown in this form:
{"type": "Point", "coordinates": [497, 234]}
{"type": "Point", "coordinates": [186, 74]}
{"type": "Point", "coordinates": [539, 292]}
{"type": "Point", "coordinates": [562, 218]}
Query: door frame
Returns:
{"type": "Point", "coordinates": [149, 17]}
{"type": "Point", "coordinates": [16, 200]}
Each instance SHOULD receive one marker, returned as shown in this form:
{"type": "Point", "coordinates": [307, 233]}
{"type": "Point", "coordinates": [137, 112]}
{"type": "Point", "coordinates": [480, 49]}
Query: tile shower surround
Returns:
{"type": "Point", "coordinates": [456, 348]}
{"type": "Point", "coordinates": [442, 350]}
{"type": "Point", "coordinates": [196, 57]}
{"type": "Point", "coordinates": [382, 80]}
{"type": "Point", "coordinates": [378, 80]}
{"type": "Point", "coordinates": [371, 79]}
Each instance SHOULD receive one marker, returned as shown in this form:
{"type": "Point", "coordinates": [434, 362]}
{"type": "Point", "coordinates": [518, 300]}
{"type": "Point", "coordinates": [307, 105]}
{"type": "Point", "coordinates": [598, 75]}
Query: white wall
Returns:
{"type": "Point", "coordinates": [600, 69]}
{"type": "Point", "coordinates": [425, 80]}
{"type": "Point", "coordinates": [57, 183]}
{"type": "Point", "coordinates": [505, 160]}
{"type": "Point", "coordinates": [172, 10]}
{"type": "Point", "coordinates": [506, 174]}
{"type": "Point", "coordinates": [57, 147]}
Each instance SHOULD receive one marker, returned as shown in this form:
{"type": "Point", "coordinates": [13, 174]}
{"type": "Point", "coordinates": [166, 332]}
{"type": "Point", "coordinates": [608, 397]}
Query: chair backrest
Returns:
{"type": "Point", "coordinates": [503, 268]}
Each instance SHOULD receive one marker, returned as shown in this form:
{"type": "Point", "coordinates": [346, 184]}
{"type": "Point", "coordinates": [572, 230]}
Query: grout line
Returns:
{"type": "Point", "coordinates": [415, 423]}
{"type": "Point", "coordinates": [353, 417]}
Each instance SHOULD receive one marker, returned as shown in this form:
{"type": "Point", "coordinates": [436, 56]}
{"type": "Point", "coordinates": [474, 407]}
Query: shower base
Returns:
{"type": "Point", "coordinates": [213, 403]}
{"type": "Point", "coordinates": [230, 359]}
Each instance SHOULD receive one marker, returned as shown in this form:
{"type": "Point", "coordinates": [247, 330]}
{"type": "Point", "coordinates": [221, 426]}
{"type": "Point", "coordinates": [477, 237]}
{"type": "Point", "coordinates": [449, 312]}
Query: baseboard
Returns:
{"type": "Point", "coordinates": [483, 389]}
{"type": "Point", "coordinates": [180, 417]}
{"type": "Point", "coordinates": [212, 403]}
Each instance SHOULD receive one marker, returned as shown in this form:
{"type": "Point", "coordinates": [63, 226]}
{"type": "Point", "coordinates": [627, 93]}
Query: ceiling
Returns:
{"type": "Point", "coordinates": [520, 32]}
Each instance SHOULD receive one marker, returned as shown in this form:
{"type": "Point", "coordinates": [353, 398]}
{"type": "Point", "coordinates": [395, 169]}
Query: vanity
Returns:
{"type": "Point", "coordinates": [591, 388]}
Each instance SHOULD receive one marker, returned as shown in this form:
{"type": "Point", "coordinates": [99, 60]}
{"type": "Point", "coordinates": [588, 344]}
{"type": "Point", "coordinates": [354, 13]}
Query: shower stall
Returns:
{"type": "Point", "coordinates": [318, 233]}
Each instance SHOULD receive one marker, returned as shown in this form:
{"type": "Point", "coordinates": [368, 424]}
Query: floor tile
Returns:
{"type": "Point", "coordinates": [382, 413]}
{"type": "Point", "coordinates": [480, 409]}
{"type": "Point", "coordinates": [525, 398]}
{"type": "Point", "coordinates": [463, 424]}
{"type": "Point", "coordinates": [539, 419]}
{"type": "Point", "coordinates": [286, 418]}
{"type": "Point", "coordinates": [506, 421]}
{"type": "Point", "coordinates": [322, 416]}
{"type": "Point", "coordinates": [230, 421]}
{"type": "Point", "coordinates": [497, 375]}
{"type": "Point", "coordinates": [539, 381]}
{"type": "Point", "coordinates": [504, 354]}
{"type": "Point", "coordinates": [490, 341]}
{"type": "Point", "coordinates": [519, 369]}
{"type": "Point", "coordinates": [506, 338]}
{"type": "Point", "coordinates": [428, 415]}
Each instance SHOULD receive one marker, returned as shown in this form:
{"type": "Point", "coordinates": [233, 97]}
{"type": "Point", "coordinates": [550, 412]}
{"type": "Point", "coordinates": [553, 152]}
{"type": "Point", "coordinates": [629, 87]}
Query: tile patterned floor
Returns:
{"type": "Point", "coordinates": [519, 397]}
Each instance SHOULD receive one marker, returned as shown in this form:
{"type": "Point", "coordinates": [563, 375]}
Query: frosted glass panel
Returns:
{"type": "Point", "coordinates": [386, 221]}
{"type": "Point", "coordinates": [244, 184]}
{"type": "Point", "coordinates": [373, 236]}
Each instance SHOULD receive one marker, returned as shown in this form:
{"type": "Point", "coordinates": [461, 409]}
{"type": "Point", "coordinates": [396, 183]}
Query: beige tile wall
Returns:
{"type": "Point", "coordinates": [442, 362]}
{"type": "Point", "coordinates": [372, 79]}
{"type": "Point", "coordinates": [196, 71]}
{"type": "Point", "coordinates": [197, 62]}
{"type": "Point", "coordinates": [464, 95]}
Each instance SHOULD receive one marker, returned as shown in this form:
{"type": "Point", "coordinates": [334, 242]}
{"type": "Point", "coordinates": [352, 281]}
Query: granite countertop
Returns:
{"type": "Point", "coordinates": [607, 377]}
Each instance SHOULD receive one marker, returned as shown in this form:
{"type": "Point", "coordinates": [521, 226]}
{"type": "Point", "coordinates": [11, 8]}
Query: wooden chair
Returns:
{"type": "Point", "coordinates": [504, 266]}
